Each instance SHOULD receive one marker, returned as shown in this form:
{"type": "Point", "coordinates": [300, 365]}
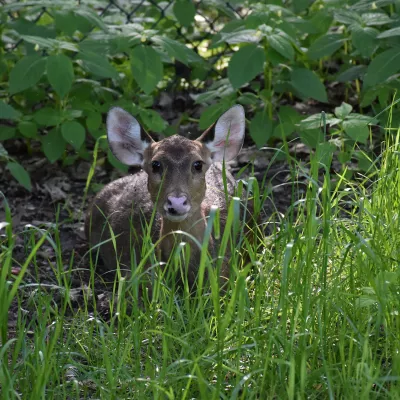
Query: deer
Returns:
{"type": "Point", "coordinates": [179, 181]}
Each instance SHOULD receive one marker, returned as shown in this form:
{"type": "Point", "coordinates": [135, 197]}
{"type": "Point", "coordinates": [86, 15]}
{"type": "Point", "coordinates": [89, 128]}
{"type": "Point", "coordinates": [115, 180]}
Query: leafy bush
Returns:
{"type": "Point", "coordinates": [62, 67]}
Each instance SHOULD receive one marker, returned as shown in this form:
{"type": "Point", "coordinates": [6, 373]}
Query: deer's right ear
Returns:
{"type": "Point", "coordinates": [126, 137]}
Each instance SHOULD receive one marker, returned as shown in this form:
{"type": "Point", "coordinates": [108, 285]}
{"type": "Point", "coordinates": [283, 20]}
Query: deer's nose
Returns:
{"type": "Point", "coordinates": [177, 205]}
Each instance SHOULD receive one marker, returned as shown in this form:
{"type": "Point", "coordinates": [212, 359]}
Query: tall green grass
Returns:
{"type": "Point", "coordinates": [313, 314]}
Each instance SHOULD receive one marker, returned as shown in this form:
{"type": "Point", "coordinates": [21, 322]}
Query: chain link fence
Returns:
{"type": "Point", "coordinates": [196, 24]}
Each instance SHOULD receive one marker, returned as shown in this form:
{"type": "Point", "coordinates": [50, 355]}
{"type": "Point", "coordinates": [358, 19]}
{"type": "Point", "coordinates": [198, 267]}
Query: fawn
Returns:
{"type": "Point", "coordinates": [182, 178]}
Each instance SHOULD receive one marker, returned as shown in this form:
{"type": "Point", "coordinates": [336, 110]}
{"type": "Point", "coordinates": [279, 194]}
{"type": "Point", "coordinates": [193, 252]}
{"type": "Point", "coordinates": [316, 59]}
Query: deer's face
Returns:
{"type": "Point", "coordinates": [176, 166]}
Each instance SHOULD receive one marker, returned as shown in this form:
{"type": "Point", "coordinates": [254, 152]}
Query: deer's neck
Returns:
{"type": "Point", "coordinates": [195, 226]}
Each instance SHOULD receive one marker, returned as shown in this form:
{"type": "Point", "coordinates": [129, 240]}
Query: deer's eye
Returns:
{"type": "Point", "coordinates": [156, 166]}
{"type": "Point", "coordinates": [198, 166]}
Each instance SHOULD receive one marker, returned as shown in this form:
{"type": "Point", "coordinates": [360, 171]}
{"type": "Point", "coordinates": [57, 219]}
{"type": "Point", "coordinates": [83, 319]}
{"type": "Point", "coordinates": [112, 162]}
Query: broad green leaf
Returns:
{"type": "Point", "coordinates": [365, 40]}
{"type": "Point", "coordinates": [93, 121]}
{"type": "Point", "coordinates": [356, 130]}
{"type": "Point", "coordinates": [300, 5]}
{"type": "Point", "coordinates": [253, 21]}
{"type": "Point", "coordinates": [321, 20]}
{"type": "Point", "coordinates": [308, 84]}
{"type": "Point", "coordinates": [347, 17]}
{"type": "Point", "coordinates": [231, 26]}
{"type": "Point", "coordinates": [73, 133]}
{"type": "Point", "coordinates": [325, 46]}
{"type": "Point", "coordinates": [60, 73]}
{"type": "Point", "coordinates": [206, 97]}
{"type": "Point", "coordinates": [66, 21]}
{"type": "Point", "coordinates": [177, 50]}
{"type": "Point", "coordinates": [366, 119]}
{"type": "Point", "coordinates": [343, 111]}
{"type": "Point", "coordinates": [303, 26]}
{"type": "Point", "coordinates": [275, 58]}
{"type": "Point", "coordinates": [282, 45]}
{"type": "Point", "coordinates": [91, 17]}
{"type": "Point", "coordinates": [47, 116]}
{"type": "Point", "coordinates": [184, 11]}
{"type": "Point", "coordinates": [312, 122]}
{"type": "Point", "coordinates": [51, 44]}
{"type": "Point", "coordinates": [28, 129]}
{"type": "Point", "coordinates": [7, 132]}
{"type": "Point", "coordinates": [26, 73]}
{"type": "Point", "coordinates": [248, 99]}
{"type": "Point", "coordinates": [41, 42]}
{"type": "Point", "coordinates": [373, 19]}
{"type": "Point", "coordinates": [173, 48]}
{"type": "Point", "coordinates": [147, 68]}
{"type": "Point", "coordinates": [221, 89]}
{"type": "Point", "coordinates": [383, 67]}
{"type": "Point", "coordinates": [153, 120]}
{"type": "Point", "coordinates": [98, 65]}
{"type": "Point", "coordinates": [240, 36]}
{"type": "Point", "coordinates": [20, 174]}
{"type": "Point", "coordinates": [146, 101]}
{"type": "Point", "coordinates": [8, 112]}
{"type": "Point", "coordinates": [25, 27]}
{"type": "Point", "coordinates": [71, 114]}
{"type": "Point", "coordinates": [389, 33]}
{"type": "Point", "coordinates": [283, 130]}
{"type": "Point", "coordinates": [211, 114]}
{"type": "Point", "coordinates": [312, 137]}
{"type": "Point", "coordinates": [245, 65]}
{"type": "Point", "coordinates": [69, 22]}
{"type": "Point", "coordinates": [53, 145]}
{"type": "Point", "coordinates": [289, 118]}
{"type": "Point", "coordinates": [3, 68]}
{"type": "Point", "coordinates": [261, 128]}
{"type": "Point", "coordinates": [333, 121]}
{"type": "Point", "coordinates": [289, 114]}
{"type": "Point", "coordinates": [352, 73]}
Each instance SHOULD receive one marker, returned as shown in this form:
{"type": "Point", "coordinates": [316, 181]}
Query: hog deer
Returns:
{"type": "Point", "coordinates": [182, 178]}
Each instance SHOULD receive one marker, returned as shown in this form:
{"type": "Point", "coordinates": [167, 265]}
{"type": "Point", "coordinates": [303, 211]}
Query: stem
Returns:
{"type": "Point", "coordinates": [268, 81]}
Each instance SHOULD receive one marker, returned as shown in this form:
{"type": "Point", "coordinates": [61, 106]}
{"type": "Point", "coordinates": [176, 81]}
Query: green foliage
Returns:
{"type": "Point", "coordinates": [71, 64]}
{"type": "Point", "coordinates": [20, 174]}
{"type": "Point", "coordinates": [245, 65]}
{"type": "Point", "coordinates": [147, 67]}
{"type": "Point", "coordinates": [261, 128]}
{"type": "Point", "coordinates": [26, 73]}
{"type": "Point", "coordinates": [185, 12]}
{"type": "Point", "coordinates": [315, 314]}
{"type": "Point", "coordinates": [60, 73]}
{"type": "Point", "coordinates": [308, 84]}
{"type": "Point", "coordinates": [8, 112]}
{"type": "Point", "coordinates": [16, 169]}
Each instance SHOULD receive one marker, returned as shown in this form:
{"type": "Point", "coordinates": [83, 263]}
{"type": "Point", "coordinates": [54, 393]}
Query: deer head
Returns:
{"type": "Point", "coordinates": [176, 166]}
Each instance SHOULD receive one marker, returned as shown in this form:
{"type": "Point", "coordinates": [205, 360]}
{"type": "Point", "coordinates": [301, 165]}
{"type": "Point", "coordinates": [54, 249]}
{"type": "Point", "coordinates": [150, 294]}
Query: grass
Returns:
{"type": "Point", "coordinates": [315, 314]}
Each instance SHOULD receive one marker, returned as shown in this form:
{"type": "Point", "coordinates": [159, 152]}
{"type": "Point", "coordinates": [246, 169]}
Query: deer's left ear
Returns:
{"type": "Point", "coordinates": [225, 138]}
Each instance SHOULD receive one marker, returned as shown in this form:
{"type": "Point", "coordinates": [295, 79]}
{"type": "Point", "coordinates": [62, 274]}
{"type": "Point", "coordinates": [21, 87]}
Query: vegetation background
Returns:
{"type": "Point", "coordinates": [315, 314]}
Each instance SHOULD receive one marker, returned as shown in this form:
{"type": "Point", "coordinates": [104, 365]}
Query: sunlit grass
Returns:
{"type": "Point", "coordinates": [312, 311]}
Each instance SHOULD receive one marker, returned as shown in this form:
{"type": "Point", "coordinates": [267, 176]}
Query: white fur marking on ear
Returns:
{"type": "Point", "coordinates": [120, 125]}
{"type": "Point", "coordinates": [124, 137]}
{"type": "Point", "coordinates": [229, 135]}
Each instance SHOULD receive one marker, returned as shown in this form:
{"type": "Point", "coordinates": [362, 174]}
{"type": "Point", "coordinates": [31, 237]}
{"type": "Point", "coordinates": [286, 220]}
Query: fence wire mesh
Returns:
{"type": "Point", "coordinates": [98, 23]}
